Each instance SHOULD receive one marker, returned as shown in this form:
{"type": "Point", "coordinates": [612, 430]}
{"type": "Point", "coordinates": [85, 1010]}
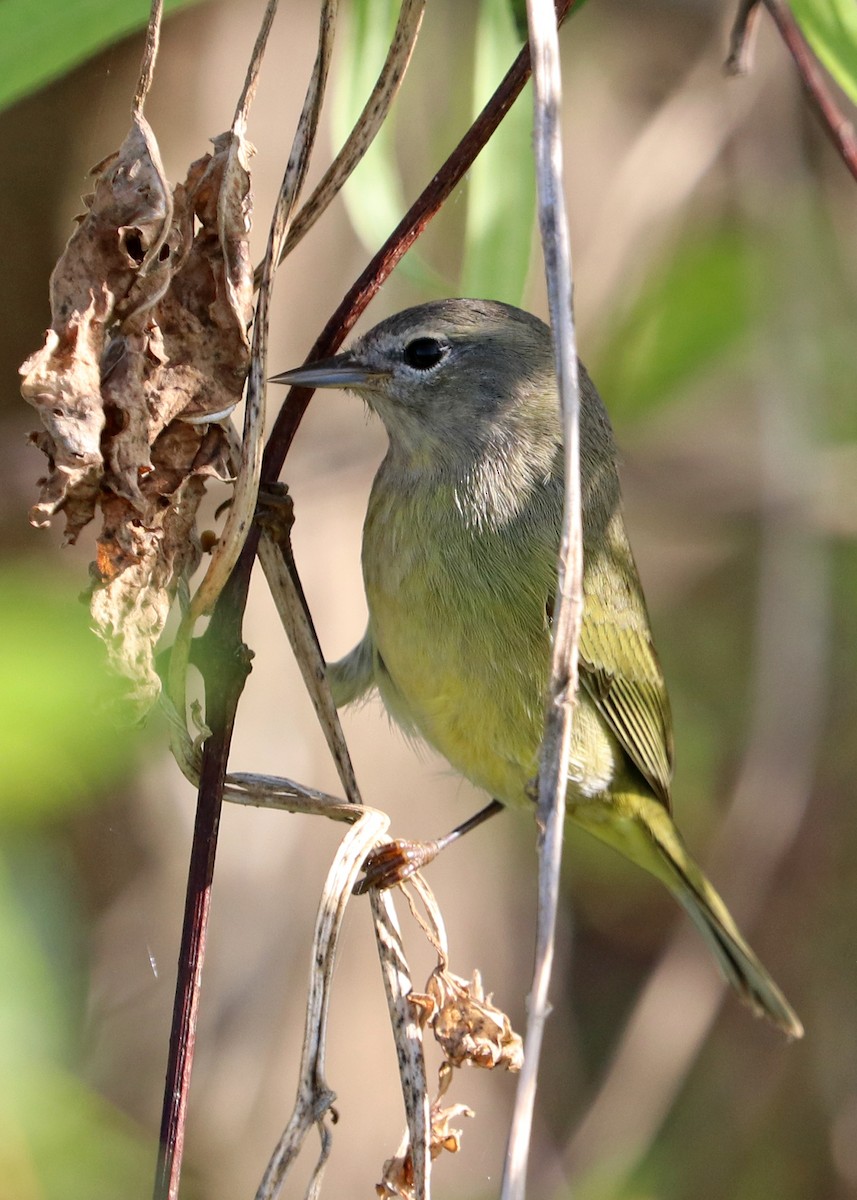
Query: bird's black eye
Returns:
{"type": "Point", "coordinates": [423, 353]}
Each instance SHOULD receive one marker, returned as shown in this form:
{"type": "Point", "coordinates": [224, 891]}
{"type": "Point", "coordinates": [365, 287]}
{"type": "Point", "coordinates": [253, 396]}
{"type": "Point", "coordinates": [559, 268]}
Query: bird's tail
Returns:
{"type": "Point", "coordinates": [640, 828]}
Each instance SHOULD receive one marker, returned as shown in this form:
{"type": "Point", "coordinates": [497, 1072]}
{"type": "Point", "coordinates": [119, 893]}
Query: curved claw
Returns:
{"type": "Point", "coordinates": [394, 863]}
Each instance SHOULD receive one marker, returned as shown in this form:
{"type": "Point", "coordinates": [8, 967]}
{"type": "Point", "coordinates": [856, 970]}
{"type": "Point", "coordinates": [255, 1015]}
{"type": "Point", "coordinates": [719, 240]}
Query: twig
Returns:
{"type": "Point", "coordinates": [742, 38]}
{"type": "Point", "coordinates": [568, 607]}
{"type": "Point", "coordinates": [278, 563]}
{"type": "Point", "coordinates": [272, 791]}
{"type": "Point", "coordinates": [251, 79]}
{"type": "Point", "coordinates": [144, 83]}
{"type": "Point", "coordinates": [281, 573]}
{"type": "Point", "coordinates": [408, 1036]}
{"type": "Point", "coordinates": [369, 122]}
{"type": "Point", "coordinates": [838, 128]}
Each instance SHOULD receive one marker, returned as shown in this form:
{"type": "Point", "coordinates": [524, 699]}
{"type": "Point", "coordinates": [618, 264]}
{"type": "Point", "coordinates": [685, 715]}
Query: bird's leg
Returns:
{"type": "Point", "coordinates": [398, 860]}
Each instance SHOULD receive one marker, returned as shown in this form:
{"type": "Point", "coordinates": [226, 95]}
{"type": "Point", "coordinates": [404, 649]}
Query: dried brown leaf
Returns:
{"type": "Point", "coordinates": [205, 315]}
{"type": "Point", "coordinates": [397, 1179]}
{"type": "Point", "coordinates": [140, 563]}
{"type": "Point", "coordinates": [95, 281]}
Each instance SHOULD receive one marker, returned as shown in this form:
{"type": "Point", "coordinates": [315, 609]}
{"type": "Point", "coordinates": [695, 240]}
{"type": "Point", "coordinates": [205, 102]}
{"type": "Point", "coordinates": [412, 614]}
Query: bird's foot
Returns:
{"type": "Point", "coordinates": [275, 511]}
{"type": "Point", "coordinates": [394, 863]}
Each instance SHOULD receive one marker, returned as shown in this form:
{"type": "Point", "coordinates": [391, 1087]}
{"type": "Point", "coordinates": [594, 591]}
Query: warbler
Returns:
{"type": "Point", "coordinates": [460, 548]}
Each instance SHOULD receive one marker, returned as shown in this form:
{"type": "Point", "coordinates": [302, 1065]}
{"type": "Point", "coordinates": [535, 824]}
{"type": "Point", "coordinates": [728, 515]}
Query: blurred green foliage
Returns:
{"type": "Point", "coordinates": [41, 39]}
{"type": "Point", "coordinates": [59, 754]}
{"type": "Point", "coordinates": [500, 188]}
{"type": "Point", "coordinates": [57, 711]}
{"type": "Point", "coordinates": [692, 309]}
{"type": "Point", "coordinates": [831, 29]}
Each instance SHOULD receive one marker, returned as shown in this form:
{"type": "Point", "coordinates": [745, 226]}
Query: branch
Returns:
{"type": "Point", "coordinates": [225, 670]}
{"type": "Point", "coordinates": [368, 123]}
{"type": "Point", "coordinates": [838, 128]}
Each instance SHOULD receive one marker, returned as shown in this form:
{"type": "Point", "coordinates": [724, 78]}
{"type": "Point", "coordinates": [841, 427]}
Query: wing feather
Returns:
{"type": "Point", "coordinates": [620, 670]}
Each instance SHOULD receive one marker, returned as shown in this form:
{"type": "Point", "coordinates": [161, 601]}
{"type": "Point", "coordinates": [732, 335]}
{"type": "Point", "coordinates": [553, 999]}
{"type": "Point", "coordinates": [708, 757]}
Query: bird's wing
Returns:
{"type": "Point", "coordinates": [621, 672]}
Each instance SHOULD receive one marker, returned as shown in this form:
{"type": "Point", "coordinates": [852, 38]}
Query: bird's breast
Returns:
{"type": "Point", "coordinates": [457, 614]}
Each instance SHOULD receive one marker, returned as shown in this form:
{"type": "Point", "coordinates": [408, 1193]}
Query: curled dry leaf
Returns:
{"type": "Point", "coordinates": [151, 301]}
{"type": "Point", "coordinates": [468, 1027]}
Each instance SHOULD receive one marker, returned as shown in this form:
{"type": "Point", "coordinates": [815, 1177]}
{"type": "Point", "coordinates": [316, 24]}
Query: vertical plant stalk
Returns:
{"type": "Point", "coordinates": [227, 669]}
{"type": "Point", "coordinates": [150, 57]}
{"type": "Point", "coordinates": [226, 664]}
{"type": "Point", "coordinates": [315, 1098]}
{"type": "Point", "coordinates": [568, 607]}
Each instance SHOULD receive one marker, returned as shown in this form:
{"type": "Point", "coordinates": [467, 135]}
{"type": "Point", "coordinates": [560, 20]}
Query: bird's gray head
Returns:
{"type": "Point", "coordinates": [450, 379]}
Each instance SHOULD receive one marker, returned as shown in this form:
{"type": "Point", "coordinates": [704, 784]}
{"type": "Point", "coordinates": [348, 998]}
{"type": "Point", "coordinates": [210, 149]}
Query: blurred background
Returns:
{"type": "Point", "coordinates": [714, 250]}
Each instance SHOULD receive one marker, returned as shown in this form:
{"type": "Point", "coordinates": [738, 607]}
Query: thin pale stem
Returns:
{"type": "Point", "coordinates": [150, 57]}
{"type": "Point", "coordinates": [315, 1098]}
{"type": "Point", "coordinates": [368, 124]}
{"type": "Point", "coordinates": [251, 79]}
{"type": "Point", "coordinates": [568, 608]}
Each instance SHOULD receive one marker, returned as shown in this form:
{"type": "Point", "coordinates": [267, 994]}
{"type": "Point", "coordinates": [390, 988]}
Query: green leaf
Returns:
{"type": "Point", "coordinates": [695, 308]}
{"type": "Point", "coordinates": [501, 192]}
{"type": "Point", "coordinates": [42, 39]}
{"type": "Point", "coordinates": [373, 196]}
{"type": "Point", "coordinates": [830, 27]}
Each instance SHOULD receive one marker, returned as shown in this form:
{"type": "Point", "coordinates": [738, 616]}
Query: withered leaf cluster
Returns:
{"type": "Point", "coordinates": [467, 1026]}
{"type": "Point", "coordinates": [148, 348]}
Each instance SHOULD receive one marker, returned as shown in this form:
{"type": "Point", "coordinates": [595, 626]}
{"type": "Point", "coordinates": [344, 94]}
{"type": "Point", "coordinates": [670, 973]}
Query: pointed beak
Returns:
{"type": "Point", "coordinates": [343, 371]}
